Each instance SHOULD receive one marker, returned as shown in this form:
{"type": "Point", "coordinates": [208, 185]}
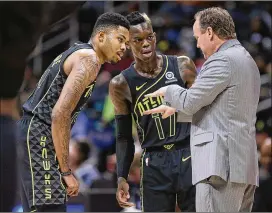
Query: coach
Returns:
{"type": "Point", "coordinates": [223, 103]}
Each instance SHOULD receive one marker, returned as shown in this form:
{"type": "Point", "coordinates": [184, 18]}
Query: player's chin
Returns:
{"type": "Point", "coordinates": [115, 61]}
{"type": "Point", "coordinates": [146, 58]}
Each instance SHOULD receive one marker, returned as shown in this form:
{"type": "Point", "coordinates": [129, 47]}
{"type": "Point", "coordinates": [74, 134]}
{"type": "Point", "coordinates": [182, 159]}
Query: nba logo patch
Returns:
{"type": "Point", "coordinates": [146, 161]}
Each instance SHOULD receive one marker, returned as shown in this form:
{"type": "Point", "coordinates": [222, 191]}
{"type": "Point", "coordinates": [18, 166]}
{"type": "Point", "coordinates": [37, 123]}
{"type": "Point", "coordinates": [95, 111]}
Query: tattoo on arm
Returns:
{"type": "Point", "coordinates": [120, 95]}
{"type": "Point", "coordinates": [187, 70]}
{"type": "Point", "coordinates": [84, 71]}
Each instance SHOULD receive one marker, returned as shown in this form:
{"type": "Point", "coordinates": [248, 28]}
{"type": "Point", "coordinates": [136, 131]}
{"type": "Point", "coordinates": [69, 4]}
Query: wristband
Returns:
{"type": "Point", "coordinates": [66, 173]}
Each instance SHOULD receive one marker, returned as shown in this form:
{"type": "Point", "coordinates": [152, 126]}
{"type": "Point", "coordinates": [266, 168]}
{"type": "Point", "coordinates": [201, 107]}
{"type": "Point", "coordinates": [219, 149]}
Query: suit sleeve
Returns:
{"type": "Point", "coordinates": [214, 79]}
{"type": "Point", "coordinates": [182, 117]}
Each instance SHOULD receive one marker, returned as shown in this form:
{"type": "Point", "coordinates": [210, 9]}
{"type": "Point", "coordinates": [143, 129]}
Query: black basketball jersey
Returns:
{"type": "Point", "coordinates": [152, 129]}
{"type": "Point", "coordinates": [43, 99]}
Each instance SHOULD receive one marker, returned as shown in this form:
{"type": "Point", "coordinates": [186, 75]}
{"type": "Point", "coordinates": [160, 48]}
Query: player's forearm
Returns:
{"type": "Point", "coordinates": [124, 154]}
{"type": "Point", "coordinates": [124, 144]}
{"type": "Point", "coordinates": [61, 136]}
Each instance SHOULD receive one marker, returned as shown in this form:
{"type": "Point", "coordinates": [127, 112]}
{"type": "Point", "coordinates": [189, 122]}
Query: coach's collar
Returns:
{"type": "Point", "coordinates": [228, 44]}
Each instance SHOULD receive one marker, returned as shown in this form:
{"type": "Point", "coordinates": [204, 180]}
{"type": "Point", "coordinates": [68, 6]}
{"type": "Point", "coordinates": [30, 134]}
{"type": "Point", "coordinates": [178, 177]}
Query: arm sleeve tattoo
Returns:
{"type": "Point", "coordinates": [83, 72]}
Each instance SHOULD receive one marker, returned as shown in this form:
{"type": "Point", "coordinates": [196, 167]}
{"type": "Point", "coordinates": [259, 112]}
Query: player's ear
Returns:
{"type": "Point", "coordinates": [101, 36]}
{"type": "Point", "coordinates": [155, 37]}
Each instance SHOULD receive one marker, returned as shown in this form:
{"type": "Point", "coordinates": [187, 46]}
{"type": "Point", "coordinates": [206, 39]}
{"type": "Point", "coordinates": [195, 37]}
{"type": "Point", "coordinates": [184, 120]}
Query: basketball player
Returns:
{"type": "Point", "coordinates": [21, 26]}
{"type": "Point", "coordinates": [166, 175]}
{"type": "Point", "coordinates": [52, 109]}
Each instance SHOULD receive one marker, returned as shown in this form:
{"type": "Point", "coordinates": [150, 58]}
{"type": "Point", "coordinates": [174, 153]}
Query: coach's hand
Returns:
{"type": "Point", "coordinates": [122, 194]}
{"type": "Point", "coordinates": [72, 185]}
{"type": "Point", "coordinates": [166, 111]}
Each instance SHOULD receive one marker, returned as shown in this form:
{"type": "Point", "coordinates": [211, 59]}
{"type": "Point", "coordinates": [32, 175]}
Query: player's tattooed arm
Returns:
{"type": "Point", "coordinates": [121, 98]}
{"type": "Point", "coordinates": [84, 71]}
{"type": "Point", "coordinates": [187, 70]}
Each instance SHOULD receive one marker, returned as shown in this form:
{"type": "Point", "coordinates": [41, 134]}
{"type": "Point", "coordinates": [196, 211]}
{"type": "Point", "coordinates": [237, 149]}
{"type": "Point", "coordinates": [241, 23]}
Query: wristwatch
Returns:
{"type": "Point", "coordinates": [66, 173]}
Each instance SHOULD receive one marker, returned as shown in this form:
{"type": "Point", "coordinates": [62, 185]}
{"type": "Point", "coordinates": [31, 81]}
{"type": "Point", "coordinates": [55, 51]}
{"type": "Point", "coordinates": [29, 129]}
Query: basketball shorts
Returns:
{"type": "Point", "coordinates": [41, 182]}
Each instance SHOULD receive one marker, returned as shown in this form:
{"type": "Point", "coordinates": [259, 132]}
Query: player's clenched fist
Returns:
{"type": "Point", "coordinates": [122, 194]}
{"type": "Point", "coordinates": [72, 185]}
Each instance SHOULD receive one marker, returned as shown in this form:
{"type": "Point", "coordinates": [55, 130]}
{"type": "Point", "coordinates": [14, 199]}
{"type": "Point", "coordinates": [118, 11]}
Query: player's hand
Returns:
{"type": "Point", "coordinates": [159, 92]}
{"type": "Point", "coordinates": [72, 185]}
{"type": "Point", "coordinates": [166, 111]}
{"type": "Point", "coordinates": [122, 194]}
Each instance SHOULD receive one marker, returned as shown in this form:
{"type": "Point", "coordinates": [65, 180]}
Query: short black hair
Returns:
{"type": "Point", "coordinates": [135, 18]}
{"type": "Point", "coordinates": [110, 20]}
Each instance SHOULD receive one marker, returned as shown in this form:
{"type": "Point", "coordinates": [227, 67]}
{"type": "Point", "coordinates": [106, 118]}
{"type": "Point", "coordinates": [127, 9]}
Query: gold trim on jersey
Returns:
{"type": "Point", "coordinates": [172, 130]}
{"type": "Point", "coordinates": [30, 163]}
{"type": "Point", "coordinates": [141, 181]}
{"type": "Point", "coordinates": [157, 119]}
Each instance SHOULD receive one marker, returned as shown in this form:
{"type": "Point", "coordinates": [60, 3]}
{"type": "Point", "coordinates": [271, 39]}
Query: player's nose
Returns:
{"type": "Point", "coordinates": [123, 47]}
{"type": "Point", "coordinates": [145, 44]}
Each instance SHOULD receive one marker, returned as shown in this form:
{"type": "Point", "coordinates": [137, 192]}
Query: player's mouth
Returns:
{"type": "Point", "coordinates": [120, 55]}
{"type": "Point", "coordinates": [147, 53]}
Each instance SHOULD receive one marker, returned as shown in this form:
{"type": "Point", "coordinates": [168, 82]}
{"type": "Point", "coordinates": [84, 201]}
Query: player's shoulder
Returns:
{"type": "Point", "coordinates": [183, 58]}
{"type": "Point", "coordinates": [118, 81]}
{"type": "Point", "coordinates": [180, 59]}
{"type": "Point", "coordinates": [86, 56]}
{"type": "Point", "coordinates": [185, 62]}
{"type": "Point", "coordinates": [90, 53]}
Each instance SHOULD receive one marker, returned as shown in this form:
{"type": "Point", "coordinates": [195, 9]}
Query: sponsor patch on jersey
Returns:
{"type": "Point", "coordinates": [170, 77]}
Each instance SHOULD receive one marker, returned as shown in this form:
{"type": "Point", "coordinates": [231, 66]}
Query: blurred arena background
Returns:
{"type": "Point", "coordinates": [25, 32]}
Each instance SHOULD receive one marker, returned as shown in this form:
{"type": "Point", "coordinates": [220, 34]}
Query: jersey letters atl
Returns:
{"type": "Point", "coordinates": [152, 129]}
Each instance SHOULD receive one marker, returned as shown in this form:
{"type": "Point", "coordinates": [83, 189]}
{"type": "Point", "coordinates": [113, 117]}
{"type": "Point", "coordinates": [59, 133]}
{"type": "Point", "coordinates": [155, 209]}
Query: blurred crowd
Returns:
{"type": "Point", "coordinates": [92, 147]}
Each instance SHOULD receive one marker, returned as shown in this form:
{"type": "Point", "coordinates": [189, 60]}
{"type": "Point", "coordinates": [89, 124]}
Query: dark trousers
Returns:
{"type": "Point", "coordinates": [166, 180]}
{"type": "Point", "coordinates": [35, 137]}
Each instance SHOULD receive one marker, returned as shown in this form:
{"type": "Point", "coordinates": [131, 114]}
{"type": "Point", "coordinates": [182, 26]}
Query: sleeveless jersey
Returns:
{"type": "Point", "coordinates": [152, 129]}
{"type": "Point", "coordinates": [43, 99]}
